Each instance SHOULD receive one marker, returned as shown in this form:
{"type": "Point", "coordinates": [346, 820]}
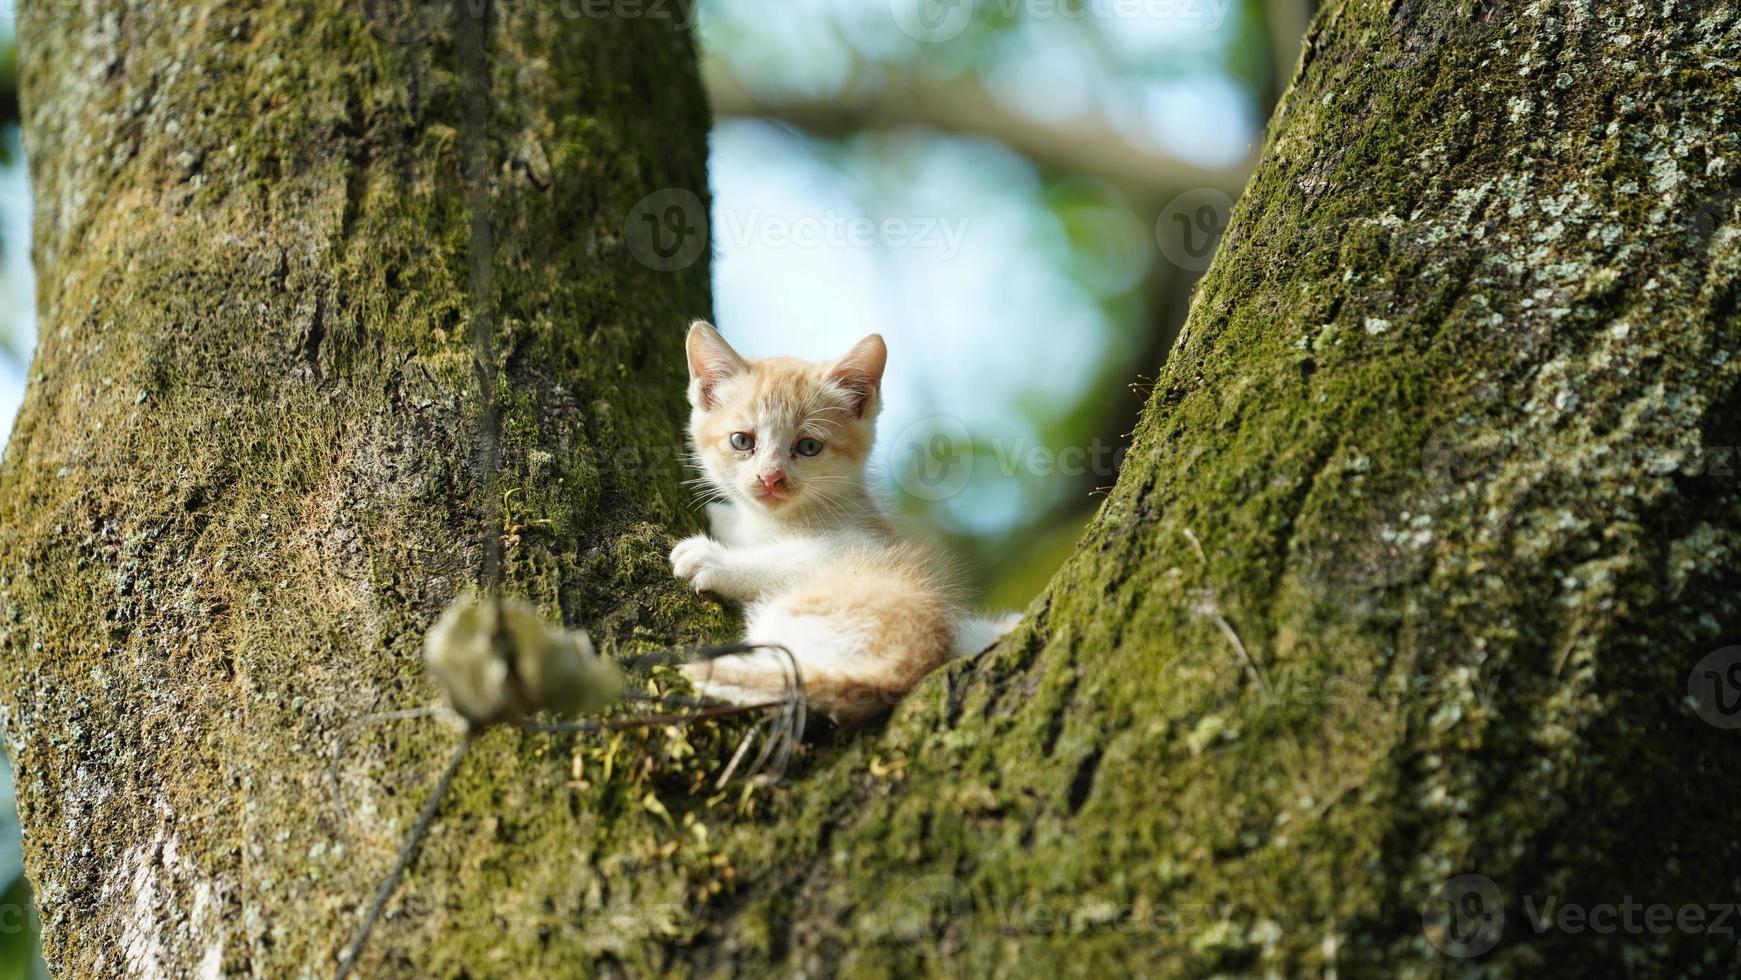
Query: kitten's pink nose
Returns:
{"type": "Point", "coordinates": [774, 480]}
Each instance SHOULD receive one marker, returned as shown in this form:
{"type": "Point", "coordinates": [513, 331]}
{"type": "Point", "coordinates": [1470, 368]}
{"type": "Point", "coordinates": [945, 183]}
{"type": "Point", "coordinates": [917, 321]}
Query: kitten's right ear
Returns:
{"type": "Point", "coordinates": [711, 361]}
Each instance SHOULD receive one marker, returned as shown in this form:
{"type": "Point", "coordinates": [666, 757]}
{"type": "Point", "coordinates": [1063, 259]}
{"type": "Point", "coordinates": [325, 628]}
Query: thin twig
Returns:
{"type": "Point", "coordinates": [1198, 545]}
{"type": "Point", "coordinates": [1238, 645]}
{"type": "Point", "coordinates": [786, 728]}
{"type": "Point", "coordinates": [1209, 606]}
{"type": "Point", "coordinates": [342, 741]}
{"type": "Point", "coordinates": [645, 721]}
{"type": "Point", "coordinates": [798, 710]}
{"type": "Point", "coordinates": [737, 757]}
{"type": "Point", "coordinates": [348, 958]}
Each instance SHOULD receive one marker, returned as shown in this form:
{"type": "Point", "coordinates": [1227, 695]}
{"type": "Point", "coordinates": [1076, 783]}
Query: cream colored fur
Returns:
{"type": "Point", "coordinates": [798, 538]}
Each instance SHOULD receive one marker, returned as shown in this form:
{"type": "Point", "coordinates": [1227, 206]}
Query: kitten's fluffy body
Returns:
{"type": "Point", "coordinates": [799, 539]}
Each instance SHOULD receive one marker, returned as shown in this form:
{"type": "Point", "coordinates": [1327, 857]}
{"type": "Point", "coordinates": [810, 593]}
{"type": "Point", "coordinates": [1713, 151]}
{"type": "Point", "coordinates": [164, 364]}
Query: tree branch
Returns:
{"type": "Point", "coordinates": [966, 107]}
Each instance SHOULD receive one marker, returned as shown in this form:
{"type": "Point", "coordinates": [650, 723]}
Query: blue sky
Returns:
{"type": "Point", "coordinates": [16, 286]}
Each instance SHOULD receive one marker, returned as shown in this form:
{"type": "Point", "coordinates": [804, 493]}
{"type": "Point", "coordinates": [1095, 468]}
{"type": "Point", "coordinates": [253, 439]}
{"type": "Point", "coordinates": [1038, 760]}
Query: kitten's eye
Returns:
{"type": "Point", "coordinates": [743, 442]}
{"type": "Point", "coordinates": [808, 447]}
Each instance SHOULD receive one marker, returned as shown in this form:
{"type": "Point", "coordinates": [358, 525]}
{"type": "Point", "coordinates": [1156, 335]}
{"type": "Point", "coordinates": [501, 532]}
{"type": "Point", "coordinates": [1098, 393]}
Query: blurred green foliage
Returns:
{"type": "Point", "coordinates": [19, 955]}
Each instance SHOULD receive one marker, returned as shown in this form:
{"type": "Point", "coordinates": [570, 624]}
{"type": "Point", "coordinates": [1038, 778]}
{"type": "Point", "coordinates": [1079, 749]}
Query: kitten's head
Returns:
{"type": "Point", "coordinates": [782, 435]}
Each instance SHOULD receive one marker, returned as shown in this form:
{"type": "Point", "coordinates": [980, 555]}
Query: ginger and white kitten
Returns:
{"type": "Point", "coordinates": [801, 541]}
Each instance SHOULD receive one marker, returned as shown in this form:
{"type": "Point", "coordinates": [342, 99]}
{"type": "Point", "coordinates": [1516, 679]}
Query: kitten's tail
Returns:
{"type": "Point", "coordinates": [976, 634]}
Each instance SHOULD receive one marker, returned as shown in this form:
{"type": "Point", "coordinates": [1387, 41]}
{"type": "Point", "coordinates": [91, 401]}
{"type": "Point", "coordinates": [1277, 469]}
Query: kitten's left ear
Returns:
{"type": "Point", "coordinates": [861, 371]}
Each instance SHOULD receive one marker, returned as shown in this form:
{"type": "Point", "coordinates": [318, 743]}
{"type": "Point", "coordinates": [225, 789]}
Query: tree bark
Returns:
{"type": "Point", "coordinates": [247, 477]}
{"type": "Point", "coordinates": [1406, 576]}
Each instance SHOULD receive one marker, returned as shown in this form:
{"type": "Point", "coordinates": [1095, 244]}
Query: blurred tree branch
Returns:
{"type": "Point", "coordinates": [1087, 145]}
{"type": "Point", "coordinates": [1284, 24]}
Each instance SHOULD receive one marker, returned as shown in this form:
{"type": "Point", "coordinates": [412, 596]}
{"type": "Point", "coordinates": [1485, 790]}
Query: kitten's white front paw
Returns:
{"type": "Point", "coordinates": [700, 561]}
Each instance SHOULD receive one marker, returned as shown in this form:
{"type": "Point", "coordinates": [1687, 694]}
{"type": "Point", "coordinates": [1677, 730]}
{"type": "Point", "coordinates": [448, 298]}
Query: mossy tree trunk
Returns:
{"type": "Point", "coordinates": [1419, 542]}
{"type": "Point", "coordinates": [247, 474]}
